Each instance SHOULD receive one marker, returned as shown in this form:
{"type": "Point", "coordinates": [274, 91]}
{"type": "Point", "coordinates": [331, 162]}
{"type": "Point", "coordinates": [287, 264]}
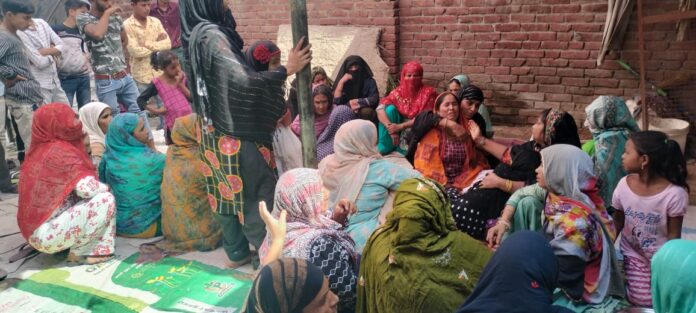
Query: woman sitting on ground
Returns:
{"type": "Point", "coordinates": [319, 77]}
{"type": "Point", "coordinates": [356, 88]}
{"type": "Point", "coordinates": [313, 236]}
{"type": "Point", "coordinates": [483, 203]}
{"type": "Point", "coordinates": [578, 228]}
{"type": "Point", "coordinates": [357, 172]}
{"type": "Point", "coordinates": [397, 111]}
{"type": "Point", "coordinates": [520, 278]}
{"type": "Point", "coordinates": [61, 204]}
{"type": "Point", "coordinates": [674, 278]}
{"type": "Point", "coordinates": [134, 173]}
{"type": "Point", "coordinates": [417, 261]}
{"type": "Point", "coordinates": [95, 118]}
{"type": "Point", "coordinates": [187, 221]}
{"type": "Point", "coordinates": [504, 189]}
{"type": "Point", "coordinates": [611, 123]}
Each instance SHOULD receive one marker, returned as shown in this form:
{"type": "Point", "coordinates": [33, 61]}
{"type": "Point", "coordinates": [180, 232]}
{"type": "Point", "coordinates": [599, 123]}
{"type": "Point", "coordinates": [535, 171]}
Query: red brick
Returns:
{"type": "Point", "coordinates": [524, 79]}
{"type": "Point", "coordinates": [595, 7]}
{"type": "Point", "coordinates": [570, 8]}
{"type": "Point", "coordinates": [536, 96]}
{"type": "Point", "coordinates": [504, 78]}
{"type": "Point", "coordinates": [495, 19]}
{"type": "Point", "coordinates": [530, 54]}
{"type": "Point", "coordinates": [576, 45]}
{"type": "Point", "coordinates": [506, 27]}
{"type": "Point", "coordinates": [503, 53]}
{"type": "Point", "coordinates": [575, 54]}
{"type": "Point", "coordinates": [512, 62]}
{"type": "Point", "coordinates": [543, 105]}
{"type": "Point", "coordinates": [522, 18]}
{"type": "Point", "coordinates": [554, 45]}
{"type": "Point", "coordinates": [514, 36]}
{"type": "Point", "coordinates": [531, 45]}
{"type": "Point", "coordinates": [583, 63]}
{"type": "Point", "coordinates": [544, 71]}
{"type": "Point", "coordinates": [583, 27]}
{"type": "Point", "coordinates": [583, 100]}
{"type": "Point", "coordinates": [445, 19]}
{"type": "Point", "coordinates": [560, 27]}
{"type": "Point", "coordinates": [477, 53]}
{"type": "Point", "coordinates": [529, 112]}
{"type": "Point", "coordinates": [538, 9]}
{"type": "Point", "coordinates": [482, 10]}
{"type": "Point", "coordinates": [481, 28]}
{"type": "Point", "coordinates": [520, 70]}
{"type": "Point", "coordinates": [524, 87]}
{"type": "Point", "coordinates": [552, 54]}
{"type": "Point", "coordinates": [499, 86]}
{"type": "Point", "coordinates": [579, 18]}
{"type": "Point", "coordinates": [485, 45]}
{"type": "Point", "coordinates": [556, 88]}
{"type": "Point", "coordinates": [508, 45]}
{"type": "Point", "coordinates": [554, 63]}
{"type": "Point", "coordinates": [598, 73]}
{"type": "Point", "coordinates": [556, 1]}
{"type": "Point", "coordinates": [547, 80]}
{"type": "Point", "coordinates": [542, 36]}
{"type": "Point", "coordinates": [498, 70]}
{"type": "Point", "coordinates": [609, 91]}
{"type": "Point", "coordinates": [570, 72]}
{"type": "Point", "coordinates": [551, 18]}
{"type": "Point", "coordinates": [534, 27]}
{"type": "Point", "coordinates": [571, 81]}
{"type": "Point", "coordinates": [558, 97]}
{"type": "Point", "coordinates": [604, 82]}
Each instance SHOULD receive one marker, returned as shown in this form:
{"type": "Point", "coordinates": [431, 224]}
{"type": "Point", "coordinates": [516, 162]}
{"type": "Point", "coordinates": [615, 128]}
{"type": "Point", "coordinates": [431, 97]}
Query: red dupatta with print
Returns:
{"type": "Point", "coordinates": [411, 97]}
{"type": "Point", "coordinates": [55, 163]}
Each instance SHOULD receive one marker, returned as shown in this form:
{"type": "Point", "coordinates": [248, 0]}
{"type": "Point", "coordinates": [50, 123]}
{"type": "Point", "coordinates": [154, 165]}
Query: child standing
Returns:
{"type": "Point", "coordinates": [651, 203]}
{"type": "Point", "coordinates": [171, 88]}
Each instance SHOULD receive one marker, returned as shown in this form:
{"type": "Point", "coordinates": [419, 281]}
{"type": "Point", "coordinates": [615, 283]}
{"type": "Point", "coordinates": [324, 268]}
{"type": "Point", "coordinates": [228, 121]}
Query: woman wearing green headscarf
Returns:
{"type": "Point", "coordinates": [674, 278]}
{"type": "Point", "coordinates": [134, 173]}
{"type": "Point", "coordinates": [418, 261]}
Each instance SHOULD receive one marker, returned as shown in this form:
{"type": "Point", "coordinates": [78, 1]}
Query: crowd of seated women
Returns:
{"type": "Point", "coordinates": [415, 206]}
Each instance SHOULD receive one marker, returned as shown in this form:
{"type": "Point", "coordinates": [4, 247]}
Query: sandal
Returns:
{"type": "Point", "coordinates": [25, 252]}
{"type": "Point", "coordinates": [87, 259]}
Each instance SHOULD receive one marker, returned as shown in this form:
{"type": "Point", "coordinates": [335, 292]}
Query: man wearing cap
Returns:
{"type": "Point", "coordinates": [73, 64]}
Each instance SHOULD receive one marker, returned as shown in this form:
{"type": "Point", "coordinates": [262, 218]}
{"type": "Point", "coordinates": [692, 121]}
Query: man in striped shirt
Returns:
{"type": "Point", "coordinates": [22, 91]}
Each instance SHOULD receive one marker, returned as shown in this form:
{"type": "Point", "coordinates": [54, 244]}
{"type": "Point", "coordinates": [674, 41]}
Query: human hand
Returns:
{"type": "Point", "coordinates": [346, 77]}
{"type": "Point", "coordinates": [475, 130]}
{"type": "Point", "coordinates": [394, 128]}
{"type": "Point", "coordinates": [298, 57]}
{"type": "Point", "coordinates": [112, 9]}
{"type": "Point", "coordinates": [162, 110]}
{"type": "Point", "coordinates": [162, 36]}
{"type": "Point", "coordinates": [179, 78]}
{"type": "Point", "coordinates": [9, 83]}
{"type": "Point", "coordinates": [277, 227]}
{"type": "Point", "coordinates": [52, 51]}
{"type": "Point", "coordinates": [355, 105]}
{"type": "Point", "coordinates": [344, 208]}
{"type": "Point", "coordinates": [495, 235]}
{"type": "Point", "coordinates": [491, 181]}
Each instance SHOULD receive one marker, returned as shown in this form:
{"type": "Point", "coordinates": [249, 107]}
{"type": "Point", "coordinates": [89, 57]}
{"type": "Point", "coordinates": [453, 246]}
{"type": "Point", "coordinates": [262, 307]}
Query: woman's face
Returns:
{"type": "Point", "coordinates": [325, 301]}
{"type": "Point", "coordinates": [454, 87]}
{"type": "Point", "coordinates": [413, 75]}
{"type": "Point", "coordinates": [274, 63]}
{"type": "Point", "coordinates": [538, 131]}
{"type": "Point", "coordinates": [104, 120]}
{"type": "Point", "coordinates": [448, 108]}
{"type": "Point", "coordinates": [470, 107]}
{"type": "Point", "coordinates": [321, 104]}
{"type": "Point", "coordinates": [140, 133]}
{"type": "Point", "coordinates": [540, 176]}
{"type": "Point", "coordinates": [319, 79]}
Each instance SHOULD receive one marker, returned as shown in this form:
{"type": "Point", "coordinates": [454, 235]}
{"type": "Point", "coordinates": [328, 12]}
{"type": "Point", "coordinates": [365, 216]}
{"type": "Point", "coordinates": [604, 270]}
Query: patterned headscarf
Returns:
{"type": "Point", "coordinates": [560, 127]}
{"type": "Point", "coordinates": [411, 97]}
{"type": "Point", "coordinates": [300, 192]}
{"type": "Point", "coordinates": [286, 285]}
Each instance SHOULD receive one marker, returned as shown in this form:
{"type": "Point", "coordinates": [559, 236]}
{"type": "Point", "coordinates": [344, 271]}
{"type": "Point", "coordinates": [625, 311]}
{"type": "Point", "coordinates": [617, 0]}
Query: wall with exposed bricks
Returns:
{"type": "Point", "coordinates": [527, 55]}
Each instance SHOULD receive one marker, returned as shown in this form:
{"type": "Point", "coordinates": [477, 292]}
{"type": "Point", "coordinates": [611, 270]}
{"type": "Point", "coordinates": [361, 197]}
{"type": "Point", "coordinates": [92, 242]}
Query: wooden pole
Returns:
{"type": "Point", "coordinates": [298, 14]}
{"type": "Point", "coordinates": [641, 53]}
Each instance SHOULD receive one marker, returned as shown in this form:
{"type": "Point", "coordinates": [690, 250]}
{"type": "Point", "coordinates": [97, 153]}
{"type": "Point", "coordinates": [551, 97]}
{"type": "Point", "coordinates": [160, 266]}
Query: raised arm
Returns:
{"type": "Point", "coordinates": [97, 30]}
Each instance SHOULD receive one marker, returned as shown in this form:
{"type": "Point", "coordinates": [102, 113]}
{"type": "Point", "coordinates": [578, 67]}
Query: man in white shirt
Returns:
{"type": "Point", "coordinates": [43, 46]}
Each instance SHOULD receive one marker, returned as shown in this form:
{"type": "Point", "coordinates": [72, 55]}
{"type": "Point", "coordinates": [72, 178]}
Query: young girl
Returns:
{"type": "Point", "coordinates": [171, 88]}
{"type": "Point", "coordinates": [650, 202]}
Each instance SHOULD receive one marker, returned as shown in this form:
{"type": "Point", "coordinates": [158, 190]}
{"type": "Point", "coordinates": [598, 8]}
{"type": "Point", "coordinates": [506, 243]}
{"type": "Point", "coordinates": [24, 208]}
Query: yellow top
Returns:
{"type": "Point", "coordinates": [142, 42]}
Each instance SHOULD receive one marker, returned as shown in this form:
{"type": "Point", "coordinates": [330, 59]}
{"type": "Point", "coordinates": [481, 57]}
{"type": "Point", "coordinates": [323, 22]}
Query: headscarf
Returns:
{"type": "Point", "coordinates": [673, 277]}
{"type": "Point", "coordinates": [339, 115]}
{"type": "Point", "coordinates": [300, 193]}
{"type": "Point", "coordinates": [320, 121]}
{"type": "Point", "coordinates": [55, 163]}
{"type": "Point", "coordinates": [418, 261]}
{"type": "Point", "coordinates": [577, 223]}
{"type": "Point", "coordinates": [316, 71]}
{"type": "Point", "coordinates": [260, 54]}
{"type": "Point", "coordinates": [560, 127]}
{"type": "Point", "coordinates": [520, 278]}
{"type": "Point", "coordinates": [286, 285]}
{"type": "Point", "coordinates": [344, 171]}
{"type": "Point", "coordinates": [187, 221]}
{"type": "Point", "coordinates": [353, 89]}
{"type": "Point", "coordinates": [463, 80]}
{"type": "Point", "coordinates": [89, 116]}
{"type": "Point", "coordinates": [411, 97]}
{"type": "Point", "coordinates": [611, 124]}
{"type": "Point", "coordinates": [470, 92]}
{"type": "Point", "coordinates": [134, 173]}
{"type": "Point", "coordinates": [194, 12]}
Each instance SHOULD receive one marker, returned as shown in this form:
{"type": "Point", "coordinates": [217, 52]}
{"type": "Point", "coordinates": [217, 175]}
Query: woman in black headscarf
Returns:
{"type": "Point", "coordinates": [356, 88]}
{"type": "Point", "coordinates": [238, 109]}
{"type": "Point", "coordinates": [520, 277]}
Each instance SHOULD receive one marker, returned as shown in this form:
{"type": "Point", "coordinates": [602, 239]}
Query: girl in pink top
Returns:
{"type": "Point", "coordinates": [650, 206]}
{"type": "Point", "coordinates": [170, 87]}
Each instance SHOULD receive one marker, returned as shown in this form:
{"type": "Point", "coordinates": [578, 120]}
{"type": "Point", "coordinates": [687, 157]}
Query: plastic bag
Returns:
{"type": "Point", "coordinates": [287, 149]}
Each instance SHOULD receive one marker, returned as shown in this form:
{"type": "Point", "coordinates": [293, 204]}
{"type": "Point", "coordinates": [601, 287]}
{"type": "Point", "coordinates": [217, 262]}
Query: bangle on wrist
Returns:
{"type": "Point", "coordinates": [505, 223]}
{"type": "Point", "coordinates": [508, 186]}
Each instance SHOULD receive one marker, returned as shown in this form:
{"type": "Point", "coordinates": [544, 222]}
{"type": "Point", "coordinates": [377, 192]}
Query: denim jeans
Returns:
{"type": "Point", "coordinates": [123, 91]}
{"type": "Point", "coordinates": [78, 88]}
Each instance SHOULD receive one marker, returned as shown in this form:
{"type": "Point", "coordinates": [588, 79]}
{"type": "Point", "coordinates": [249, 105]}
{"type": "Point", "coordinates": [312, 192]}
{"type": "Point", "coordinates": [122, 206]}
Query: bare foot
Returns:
{"type": "Point", "coordinates": [98, 259]}
{"type": "Point", "coordinates": [237, 264]}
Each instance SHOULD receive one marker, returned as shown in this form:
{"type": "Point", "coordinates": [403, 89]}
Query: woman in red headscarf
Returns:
{"type": "Point", "coordinates": [61, 203]}
{"type": "Point", "coordinates": [397, 110]}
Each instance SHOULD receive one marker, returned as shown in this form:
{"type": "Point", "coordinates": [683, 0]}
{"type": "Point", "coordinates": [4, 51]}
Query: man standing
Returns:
{"type": "Point", "coordinates": [22, 91]}
{"type": "Point", "coordinates": [146, 36]}
{"type": "Point", "coordinates": [6, 185]}
{"type": "Point", "coordinates": [167, 12]}
{"type": "Point", "coordinates": [43, 47]}
{"type": "Point", "coordinates": [102, 29]}
{"type": "Point", "coordinates": [73, 64]}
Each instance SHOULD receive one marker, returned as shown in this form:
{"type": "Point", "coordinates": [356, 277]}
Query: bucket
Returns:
{"type": "Point", "coordinates": [675, 129]}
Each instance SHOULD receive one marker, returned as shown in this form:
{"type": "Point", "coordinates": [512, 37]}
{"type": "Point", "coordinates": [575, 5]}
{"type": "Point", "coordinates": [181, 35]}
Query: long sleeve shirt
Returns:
{"type": "Point", "coordinates": [41, 36]}
{"type": "Point", "coordinates": [142, 43]}
{"type": "Point", "coordinates": [13, 62]}
{"type": "Point", "coordinates": [170, 21]}
{"type": "Point", "coordinates": [369, 97]}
